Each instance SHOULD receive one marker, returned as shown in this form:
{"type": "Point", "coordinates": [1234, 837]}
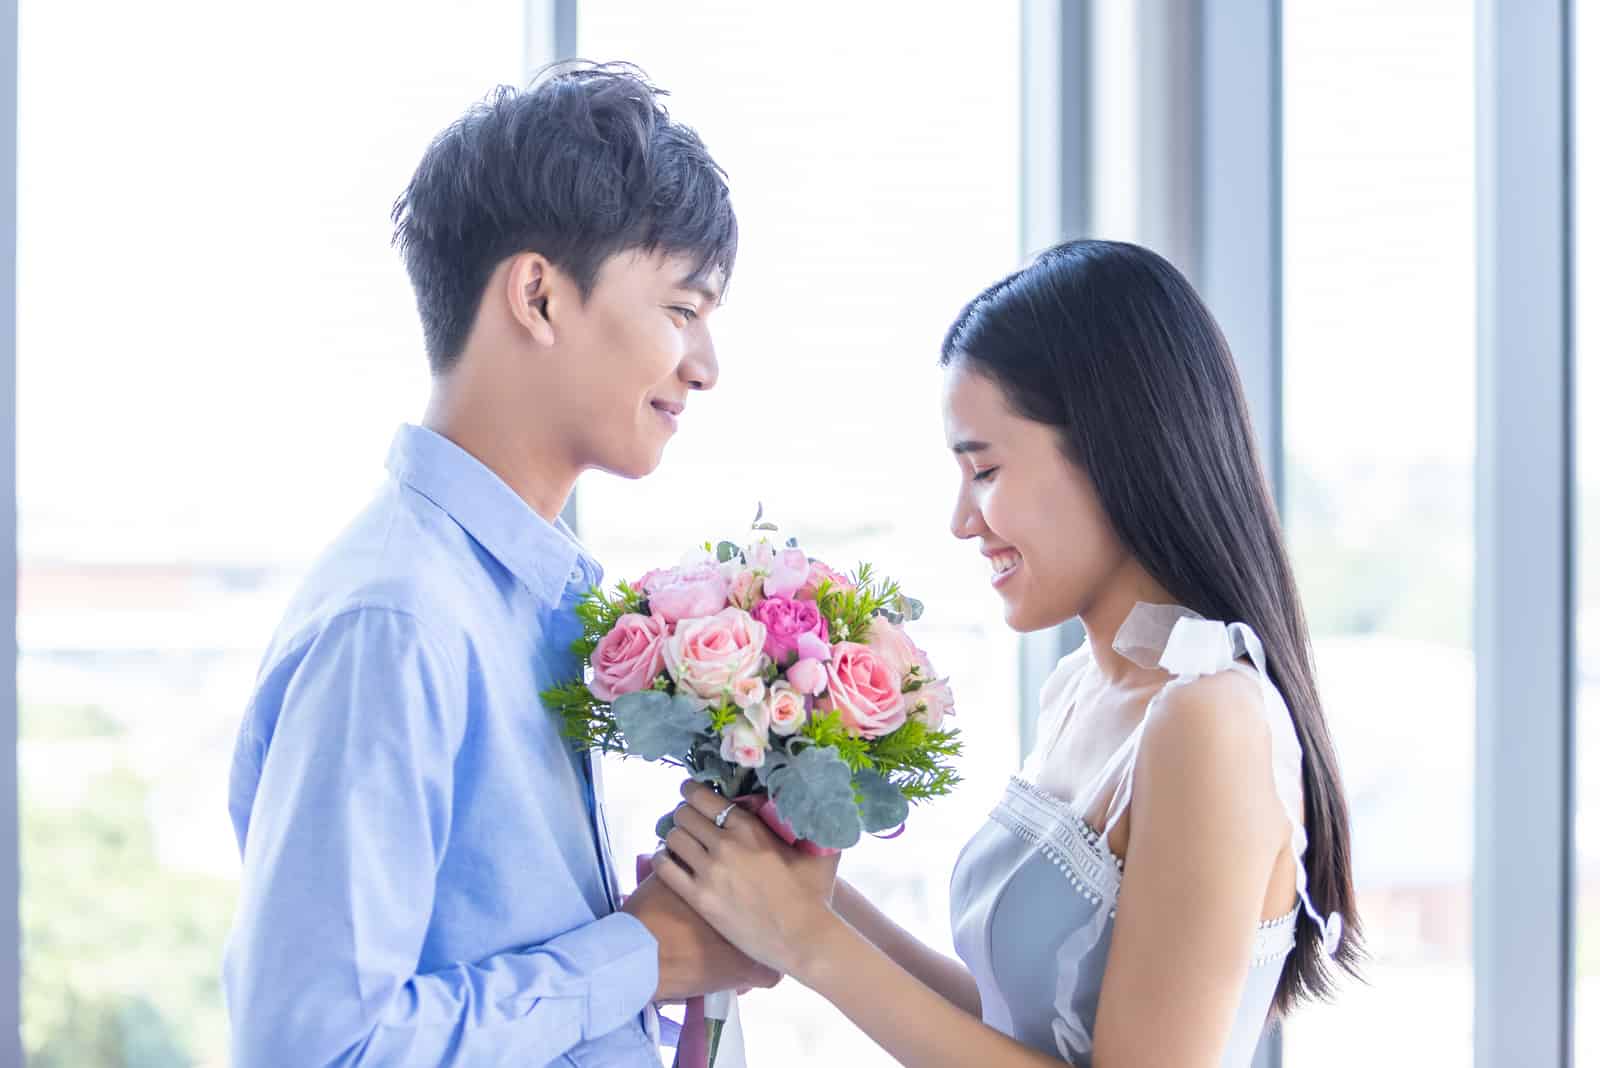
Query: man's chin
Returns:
{"type": "Point", "coordinates": [633, 467]}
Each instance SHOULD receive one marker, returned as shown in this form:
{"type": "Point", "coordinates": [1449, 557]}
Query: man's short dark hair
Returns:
{"type": "Point", "coordinates": [582, 165]}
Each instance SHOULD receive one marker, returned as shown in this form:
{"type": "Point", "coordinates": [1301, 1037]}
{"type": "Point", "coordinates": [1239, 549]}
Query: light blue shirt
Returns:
{"type": "Point", "coordinates": [425, 880]}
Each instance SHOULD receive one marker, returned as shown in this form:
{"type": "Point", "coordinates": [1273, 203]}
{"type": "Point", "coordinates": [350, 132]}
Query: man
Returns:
{"type": "Point", "coordinates": [426, 879]}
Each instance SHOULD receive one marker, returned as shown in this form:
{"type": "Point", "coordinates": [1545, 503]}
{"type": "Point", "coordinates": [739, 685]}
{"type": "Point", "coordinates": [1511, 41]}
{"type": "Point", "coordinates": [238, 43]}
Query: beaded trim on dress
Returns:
{"type": "Point", "coordinates": [1080, 854]}
{"type": "Point", "coordinates": [1063, 837]}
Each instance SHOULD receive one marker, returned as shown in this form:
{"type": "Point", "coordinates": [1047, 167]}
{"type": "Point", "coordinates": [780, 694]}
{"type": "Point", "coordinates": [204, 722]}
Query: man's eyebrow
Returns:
{"type": "Point", "coordinates": [698, 283]}
{"type": "Point", "coordinates": [962, 447]}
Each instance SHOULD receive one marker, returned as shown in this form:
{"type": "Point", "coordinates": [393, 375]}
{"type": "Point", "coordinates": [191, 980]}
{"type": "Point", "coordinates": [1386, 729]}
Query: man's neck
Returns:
{"type": "Point", "coordinates": [534, 469]}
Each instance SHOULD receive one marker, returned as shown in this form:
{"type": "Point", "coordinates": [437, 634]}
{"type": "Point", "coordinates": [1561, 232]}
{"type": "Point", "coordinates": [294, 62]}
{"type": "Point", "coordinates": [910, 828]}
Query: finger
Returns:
{"type": "Point", "coordinates": [700, 826]}
{"type": "Point", "coordinates": [705, 800]}
{"type": "Point", "coordinates": [711, 805]}
{"type": "Point", "coordinates": [674, 875]}
{"type": "Point", "coordinates": [687, 849]}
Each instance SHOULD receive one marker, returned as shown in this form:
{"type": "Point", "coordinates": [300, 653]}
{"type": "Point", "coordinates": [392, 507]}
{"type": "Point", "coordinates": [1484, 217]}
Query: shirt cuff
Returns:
{"type": "Point", "coordinates": [623, 962]}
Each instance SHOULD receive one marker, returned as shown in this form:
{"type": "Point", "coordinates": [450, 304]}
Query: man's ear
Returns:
{"type": "Point", "coordinates": [529, 282]}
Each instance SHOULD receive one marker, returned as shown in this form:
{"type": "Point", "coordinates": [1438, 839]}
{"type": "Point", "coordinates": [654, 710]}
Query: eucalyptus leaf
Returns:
{"type": "Point", "coordinates": [726, 550]}
{"type": "Point", "coordinates": [882, 805]}
{"type": "Point", "coordinates": [665, 824]}
{"type": "Point", "coordinates": [656, 725]}
{"type": "Point", "coordinates": [814, 796]}
{"type": "Point", "coordinates": [776, 759]}
{"type": "Point", "coordinates": [714, 771]}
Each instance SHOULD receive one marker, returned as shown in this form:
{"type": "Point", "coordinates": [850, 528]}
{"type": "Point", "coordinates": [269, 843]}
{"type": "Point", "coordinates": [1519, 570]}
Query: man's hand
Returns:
{"type": "Point", "coordinates": [695, 959]}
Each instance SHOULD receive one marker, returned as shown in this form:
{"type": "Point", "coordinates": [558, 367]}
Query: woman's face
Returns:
{"type": "Point", "coordinates": [1032, 512]}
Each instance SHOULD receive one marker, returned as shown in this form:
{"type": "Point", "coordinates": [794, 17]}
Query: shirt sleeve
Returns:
{"type": "Point", "coordinates": [347, 831]}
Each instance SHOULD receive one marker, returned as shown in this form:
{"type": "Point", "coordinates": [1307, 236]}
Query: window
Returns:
{"type": "Point", "coordinates": [874, 162]}
{"type": "Point", "coordinates": [215, 344]}
{"type": "Point", "coordinates": [1379, 353]}
{"type": "Point", "coordinates": [1586, 247]}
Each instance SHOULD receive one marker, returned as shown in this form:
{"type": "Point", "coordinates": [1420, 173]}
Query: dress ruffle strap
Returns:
{"type": "Point", "coordinates": [1189, 646]}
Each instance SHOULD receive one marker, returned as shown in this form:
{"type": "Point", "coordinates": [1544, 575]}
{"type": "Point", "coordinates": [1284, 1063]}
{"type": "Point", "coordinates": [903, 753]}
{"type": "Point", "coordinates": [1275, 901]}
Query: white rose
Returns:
{"type": "Point", "coordinates": [741, 745]}
{"type": "Point", "coordinates": [786, 709]}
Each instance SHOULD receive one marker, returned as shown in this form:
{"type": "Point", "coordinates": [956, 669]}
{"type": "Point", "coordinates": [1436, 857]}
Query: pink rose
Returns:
{"type": "Point", "coordinates": [786, 709]}
{"type": "Point", "coordinates": [691, 593]}
{"type": "Point", "coordinates": [787, 573]}
{"type": "Point", "coordinates": [931, 702]}
{"type": "Point", "coordinates": [808, 676]}
{"type": "Point", "coordinates": [893, 646]}
{"type": "Point", "coordinates": [786, 621]}
{"type": "Point", "coordinates": [629, 658]}
{"type": "Point", "coordinates": [744, 589]}
{"type": "Point", "coordinates": [707, 655]}
{"type": "Point", "coordinates": [815, 577]}
{"type": "Point", "coordinates": [865, 691]}
{"type": "Point", "coordinates": [818, 572]}
{"type": "Point", "coordinates": [742, 746]}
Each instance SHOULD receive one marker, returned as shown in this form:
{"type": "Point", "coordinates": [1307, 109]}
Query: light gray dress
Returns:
{"type": "Point", "coordinates": [1034, 895]}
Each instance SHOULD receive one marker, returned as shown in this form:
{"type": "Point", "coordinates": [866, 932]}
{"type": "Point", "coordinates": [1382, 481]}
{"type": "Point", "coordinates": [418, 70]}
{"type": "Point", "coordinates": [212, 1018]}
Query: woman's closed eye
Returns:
{"type": "Point", "coordinates": [984, 475]}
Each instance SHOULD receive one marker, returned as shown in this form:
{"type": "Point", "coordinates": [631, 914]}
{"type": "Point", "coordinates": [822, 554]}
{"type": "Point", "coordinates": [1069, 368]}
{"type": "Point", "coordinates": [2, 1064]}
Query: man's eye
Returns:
{"type": "Point", "coordinates": [688, 313]}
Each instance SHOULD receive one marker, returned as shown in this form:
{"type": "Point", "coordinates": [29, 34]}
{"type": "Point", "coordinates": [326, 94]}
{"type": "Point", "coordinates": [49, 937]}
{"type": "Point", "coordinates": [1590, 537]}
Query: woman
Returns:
{"type": "Point", "coordinates": [1172, 867]}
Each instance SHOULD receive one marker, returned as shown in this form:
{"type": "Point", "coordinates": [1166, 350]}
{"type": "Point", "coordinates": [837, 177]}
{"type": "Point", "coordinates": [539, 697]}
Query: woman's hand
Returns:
{"type": "Point", "coordinates": [767, 898]}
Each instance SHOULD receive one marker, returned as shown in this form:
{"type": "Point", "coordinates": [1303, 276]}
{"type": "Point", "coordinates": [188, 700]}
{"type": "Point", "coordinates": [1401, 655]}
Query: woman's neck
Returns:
{"type": "Point", "coordinates": [1128, 586]}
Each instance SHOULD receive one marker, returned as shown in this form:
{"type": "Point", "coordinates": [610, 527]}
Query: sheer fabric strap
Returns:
{"type": "Point", "coordinates": [1196, 647]}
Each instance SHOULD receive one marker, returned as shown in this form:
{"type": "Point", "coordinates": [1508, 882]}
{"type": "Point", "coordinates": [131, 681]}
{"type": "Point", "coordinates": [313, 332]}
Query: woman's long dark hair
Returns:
{"type": "Point", "coordinates": [1110, 345]}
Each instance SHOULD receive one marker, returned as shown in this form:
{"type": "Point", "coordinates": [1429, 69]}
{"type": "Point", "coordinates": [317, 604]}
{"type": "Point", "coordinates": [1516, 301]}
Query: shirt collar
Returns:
{"type": "Point", "coordinates": [545, 557]}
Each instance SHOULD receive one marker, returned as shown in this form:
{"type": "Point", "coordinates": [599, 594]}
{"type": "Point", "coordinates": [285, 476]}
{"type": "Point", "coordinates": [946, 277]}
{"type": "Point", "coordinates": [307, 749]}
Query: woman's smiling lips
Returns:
{"type": "Point", "coordinates": [1005, 563]}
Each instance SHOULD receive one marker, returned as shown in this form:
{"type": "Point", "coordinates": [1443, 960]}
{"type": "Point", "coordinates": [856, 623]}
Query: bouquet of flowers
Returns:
{"type": "Point", "coordinates": [773, 678]}
{"type": "Point", "coordinates": [786, 685]}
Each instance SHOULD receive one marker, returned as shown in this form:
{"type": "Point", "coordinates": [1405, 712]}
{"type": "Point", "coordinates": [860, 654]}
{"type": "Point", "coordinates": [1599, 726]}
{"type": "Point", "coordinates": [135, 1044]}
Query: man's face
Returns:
{"type": "Point", "coordinates": [630, 355]}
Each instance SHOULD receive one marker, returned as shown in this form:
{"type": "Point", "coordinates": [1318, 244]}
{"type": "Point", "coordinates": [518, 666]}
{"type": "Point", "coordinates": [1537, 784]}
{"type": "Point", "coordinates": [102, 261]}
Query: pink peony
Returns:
{"type": "Point", "coordinates": [689, 593]}
{"type": "Point", "coordinates": [786, 709]}
{"type": "Point", "coordinates": [818, 572]}
{"type": "Point", "coordinates": [787, 573]}
{"type": "Point", "coordinates": [629, 658]}
{"type": "Point", "coordinates": [786, 622]}
{"type": "Point", "coordinates": [707, 656]}
{"type": "Point", "coordinates": [865, 691]}
{"type": "Point", "coordinates": [808, 676]}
